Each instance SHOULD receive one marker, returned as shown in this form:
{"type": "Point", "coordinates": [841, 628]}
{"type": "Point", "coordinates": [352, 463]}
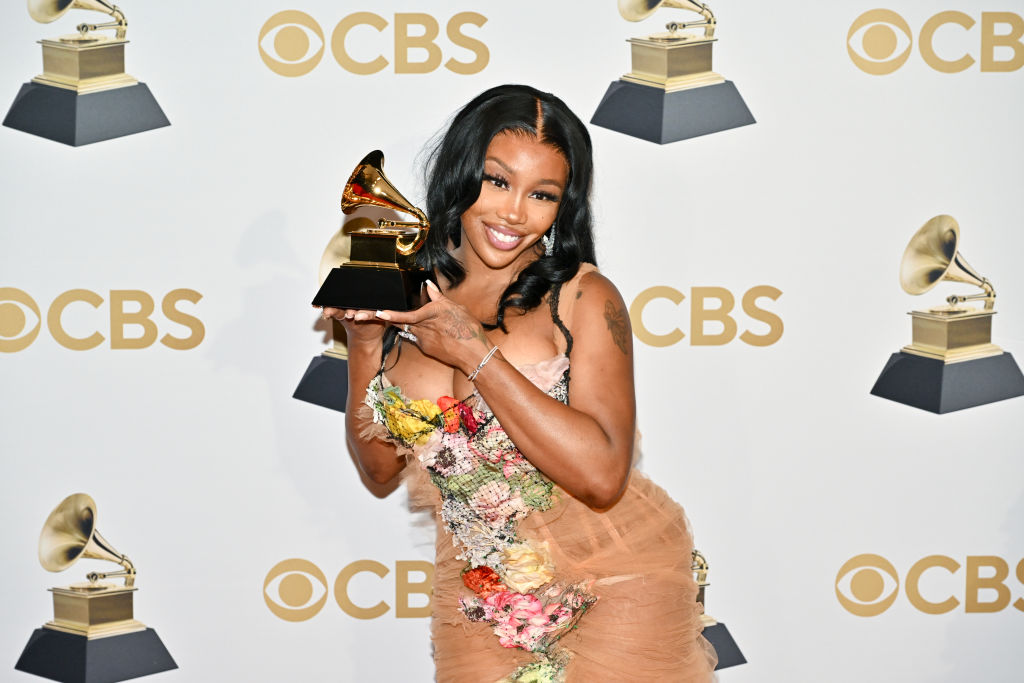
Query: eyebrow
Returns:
{"type": "Point", "coordinates": [508, 169]}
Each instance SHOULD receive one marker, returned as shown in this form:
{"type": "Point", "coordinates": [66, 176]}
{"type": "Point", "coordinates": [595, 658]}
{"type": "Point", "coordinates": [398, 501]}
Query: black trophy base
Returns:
{"type": "Point", "coordinates": [65, 116]}
{"type": "Point", "coordinates": [652, 114]}
{"type": "Point", "coordinates": [70, 658]}
{"type": "Point", "coordinates": [930, 384]}
{"type": "Point", "coordinates": [728, 651]}
{"type": "Point", "coordinates": [377, 289]}
{"type": "Point", "coordinates": [325, 383]}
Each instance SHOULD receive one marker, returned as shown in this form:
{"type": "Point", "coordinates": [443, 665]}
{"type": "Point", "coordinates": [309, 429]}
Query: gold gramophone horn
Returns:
{"type": "Point", "coordinates": [368, 186]}
{"type": "Point", "coordinates": [638, 10]}
{"type": "Point", "coordinates": [933, 256]}
{"type": "Point", "coordinates": [45, 11]}
{"type": "Point", "coordinates": [70, 534]}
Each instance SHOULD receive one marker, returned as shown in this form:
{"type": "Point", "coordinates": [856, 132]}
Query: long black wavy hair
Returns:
{"type": "Point", "coordinates": [455, 171]}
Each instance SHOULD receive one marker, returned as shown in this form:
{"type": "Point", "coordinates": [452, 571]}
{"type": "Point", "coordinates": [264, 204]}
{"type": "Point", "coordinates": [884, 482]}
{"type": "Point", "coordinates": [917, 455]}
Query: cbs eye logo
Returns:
{"type": "Point", "coordinates": [879, 41]}
{"type": "Point", "coordinates": [128, 324]}
{"type": "Point", "coordinates": [296, 589]}
{"type": "Point", "coordinates": [867, 585]}
{"type": "Point", "coordinates": [291, 43]}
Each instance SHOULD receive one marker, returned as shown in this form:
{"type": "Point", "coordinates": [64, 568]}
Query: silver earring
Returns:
{"type": "Point", "coordinates": [549, 242]}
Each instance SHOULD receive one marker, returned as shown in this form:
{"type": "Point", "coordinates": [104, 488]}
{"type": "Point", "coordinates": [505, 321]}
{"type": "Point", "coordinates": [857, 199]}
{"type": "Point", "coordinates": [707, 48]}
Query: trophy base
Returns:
{"type": "Point", "coordinates": [74, 119]}
{"type": "Point", "coordinates": [325, 383]}
{"type": "Point", "coordinates": [728, 651]}
{"type": "Point", "coordinates": [72, 658]}
{"type": "Point", "coordinates": [938, 387]}
{"type": "Point", "coordinates": [372, 287]}
{"type": "Point", "coordinates": [652, 114]}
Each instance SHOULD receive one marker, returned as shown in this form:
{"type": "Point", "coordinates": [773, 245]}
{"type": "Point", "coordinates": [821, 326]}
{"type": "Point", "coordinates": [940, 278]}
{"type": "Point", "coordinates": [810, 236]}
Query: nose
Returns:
{"type": "Point", "coordinates": [512, 209]}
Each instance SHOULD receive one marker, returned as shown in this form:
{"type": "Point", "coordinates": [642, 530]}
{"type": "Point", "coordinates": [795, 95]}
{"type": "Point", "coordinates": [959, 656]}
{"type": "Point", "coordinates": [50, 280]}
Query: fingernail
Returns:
{"type": "Point", "coordinates": [383, 316]}
{"type": "Point", "coordinates": [430, 283]}
{"type": "Point", "coordinates": [349, 315]}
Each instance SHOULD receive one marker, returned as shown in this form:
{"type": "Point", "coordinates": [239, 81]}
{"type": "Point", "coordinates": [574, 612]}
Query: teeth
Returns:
{"type": "Point", "coordinates": [502, 237]}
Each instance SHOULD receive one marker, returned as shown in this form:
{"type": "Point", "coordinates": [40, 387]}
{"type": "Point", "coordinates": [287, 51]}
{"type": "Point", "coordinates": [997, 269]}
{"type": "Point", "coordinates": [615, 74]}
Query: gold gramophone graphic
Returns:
{"type": "Point", "coordinates": [382, 272]}
{"type": "Point", "coordinates": [325, 382]}
{"type": "Point", "coordinates": [951, 362]}
{"type": "Point", "coordinates": [715, 631]}
{"type": "Point", "coordinates": [83, 94]}
{"type": "Point", "coordinates": [93, 634]}
{"type": "Point", "coordinates": [671, 93]}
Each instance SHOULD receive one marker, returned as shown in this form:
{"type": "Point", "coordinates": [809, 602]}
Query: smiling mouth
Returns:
{"type": "Point", "coordinates": [503, 240]}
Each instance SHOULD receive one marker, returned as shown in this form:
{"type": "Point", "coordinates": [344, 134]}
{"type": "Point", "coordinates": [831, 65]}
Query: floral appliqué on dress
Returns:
{"type": "Point", "coordinates": [487, 487]}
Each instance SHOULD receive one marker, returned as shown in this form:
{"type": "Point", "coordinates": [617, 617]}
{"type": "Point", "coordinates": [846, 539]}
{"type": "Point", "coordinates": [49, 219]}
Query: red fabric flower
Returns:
{"type": "Point", "coordinates": [468, 419]}
{"type": "Point", "coordinates": [483, 581]}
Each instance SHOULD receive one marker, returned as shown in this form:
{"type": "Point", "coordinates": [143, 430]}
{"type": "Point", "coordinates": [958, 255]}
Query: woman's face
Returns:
{"type": "Point", "coordinates": [520, 191]}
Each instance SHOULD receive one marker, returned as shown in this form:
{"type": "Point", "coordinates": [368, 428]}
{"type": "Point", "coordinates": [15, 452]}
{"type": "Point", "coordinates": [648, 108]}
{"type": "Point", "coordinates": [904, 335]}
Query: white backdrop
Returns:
{"type": "Point", "coordinates": [208, 474]}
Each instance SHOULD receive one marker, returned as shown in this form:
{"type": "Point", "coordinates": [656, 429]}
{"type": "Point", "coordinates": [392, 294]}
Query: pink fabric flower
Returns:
{"type": "Point", "coordinates": [496, 503]}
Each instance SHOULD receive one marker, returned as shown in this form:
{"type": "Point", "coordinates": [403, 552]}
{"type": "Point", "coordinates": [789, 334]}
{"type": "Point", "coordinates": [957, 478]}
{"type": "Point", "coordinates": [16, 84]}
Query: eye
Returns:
{"type": "Point", "coordinates": [295, 590]}
{"type": "Point", "coordinates": [17, 330]}
{"type": "Point", "coordinates": [496, 180]}
{"type": "Point", "coordinates": [546, 196]}
{"type": "Point", "coordinates": [291, 43]}
{"type": "Point", "coordinates": [879, 42]}
{"type": "Point", "coordinates": [867, 585]}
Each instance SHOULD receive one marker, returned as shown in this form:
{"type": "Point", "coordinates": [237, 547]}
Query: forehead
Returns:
{"type": "Point", "coordinates": [522, 153]}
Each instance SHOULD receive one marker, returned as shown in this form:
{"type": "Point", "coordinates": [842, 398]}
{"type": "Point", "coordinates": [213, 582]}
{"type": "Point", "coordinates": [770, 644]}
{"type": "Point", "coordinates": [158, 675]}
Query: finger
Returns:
{"type": "Point", "coordinates": [433, 292]}
{"type": "Point", "coordinates": [399, 318]}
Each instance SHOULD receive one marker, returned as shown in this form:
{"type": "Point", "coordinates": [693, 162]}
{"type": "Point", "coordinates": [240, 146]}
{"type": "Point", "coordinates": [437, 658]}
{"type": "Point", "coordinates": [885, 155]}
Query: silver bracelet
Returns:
{"type": "Point", "coordinates": [472, 375]}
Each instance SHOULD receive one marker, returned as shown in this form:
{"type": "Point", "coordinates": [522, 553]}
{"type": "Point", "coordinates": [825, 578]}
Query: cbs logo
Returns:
{"type": "Point", "coordinates": [292, 43]}
{"type": "Point", "coordinates": [867, 585]}
{"type": "Point", "coordinates": [879, 41]}
{"type": "Point", "coordinates": [701, 312]}
{"type": "Point", "coordinates": [130, 311]}
{"type": "Point", "coordinates": [296, 589]}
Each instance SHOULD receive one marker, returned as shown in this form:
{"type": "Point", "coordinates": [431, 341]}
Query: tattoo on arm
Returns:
{"type": "Point", "coordinates": [456, 328]}
{"type": "Point", "coordinates": [617, 325]}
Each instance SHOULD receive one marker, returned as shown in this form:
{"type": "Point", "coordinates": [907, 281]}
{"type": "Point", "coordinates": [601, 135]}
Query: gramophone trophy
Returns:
{"type": "Point", "coordinates": [715, 631]}
{"type": "Point", "coordinates": [951, 362]}
{"type": "Point", "coordinates": [83, 94]}
{"type": "Point", "coordinates": [93, 636]}
{"type": "Point", "coordinates": [671, 94]}
{"type": "Point", "coordinates": [382, 272]}
{"type": "Point", "coordinates": [325, 382]}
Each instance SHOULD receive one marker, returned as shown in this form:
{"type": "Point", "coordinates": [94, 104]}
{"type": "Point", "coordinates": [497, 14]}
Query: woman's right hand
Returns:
{"type": "Point", "coordinates": [362, 327]}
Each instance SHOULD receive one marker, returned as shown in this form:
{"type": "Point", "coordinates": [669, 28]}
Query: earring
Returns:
{"type": "Point", "coordinates": [549, 242]}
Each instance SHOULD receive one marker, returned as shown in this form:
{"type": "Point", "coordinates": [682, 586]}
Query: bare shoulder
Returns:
{"type": "Point", "coordinates": [594, 304]}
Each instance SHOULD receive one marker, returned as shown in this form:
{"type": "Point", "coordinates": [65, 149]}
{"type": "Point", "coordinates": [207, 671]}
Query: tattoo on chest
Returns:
{"type": "Point", "coordinates": [617, 325]}
{"type": "Point", "coordinates": [457, 328]}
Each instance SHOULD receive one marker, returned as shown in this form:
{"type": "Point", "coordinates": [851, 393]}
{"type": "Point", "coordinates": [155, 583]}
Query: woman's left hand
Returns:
{"type": "Point", "coordinates": [443, 330]}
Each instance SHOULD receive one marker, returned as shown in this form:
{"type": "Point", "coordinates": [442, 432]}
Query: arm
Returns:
{"type": "Point", "coordinates": [585, 447]}
{"type": "Point", "coordinates": [378, 459]}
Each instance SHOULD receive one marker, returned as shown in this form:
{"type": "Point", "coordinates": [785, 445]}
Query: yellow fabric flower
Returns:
{"type": "Point", "coordinates": [527, 566]}
{"type": "Point", "coordinates": [411, 424]}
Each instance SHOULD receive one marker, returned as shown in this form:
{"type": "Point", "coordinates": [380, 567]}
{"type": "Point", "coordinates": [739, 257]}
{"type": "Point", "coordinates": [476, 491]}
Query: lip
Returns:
{"type": "Point", "coordinates": [493, 232]}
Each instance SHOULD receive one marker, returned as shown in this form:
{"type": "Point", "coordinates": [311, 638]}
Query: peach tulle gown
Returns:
{"type": "Point", "coordinates": [597, 596]}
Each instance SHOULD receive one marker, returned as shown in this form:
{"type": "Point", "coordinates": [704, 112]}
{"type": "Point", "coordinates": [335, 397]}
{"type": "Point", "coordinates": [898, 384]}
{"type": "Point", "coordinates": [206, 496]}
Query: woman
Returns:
{"type": "Point", "coordinates": [555, 561]}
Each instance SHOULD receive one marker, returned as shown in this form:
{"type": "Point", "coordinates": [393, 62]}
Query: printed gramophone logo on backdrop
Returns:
{"type": "Point", "coordinates": [292, 43]}
{"type": "Point", "coordinates": [671, 93]}
{"type": "Point", "coordinates": [83, 95]}
{"type": "Point", "coordinates": [880, 41]}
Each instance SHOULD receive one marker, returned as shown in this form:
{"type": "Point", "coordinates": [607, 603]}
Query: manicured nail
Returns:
{"type": "Point", "coordinates": [430, 283]}
{"type": "Point", "coordinates": [383, 316]}
{"type": "Point", "coordinates": [349, 315]}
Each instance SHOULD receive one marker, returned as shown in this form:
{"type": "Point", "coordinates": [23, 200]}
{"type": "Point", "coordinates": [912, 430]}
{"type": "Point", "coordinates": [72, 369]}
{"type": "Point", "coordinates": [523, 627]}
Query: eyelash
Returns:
{"type": "Point", "coordinates": [500, 182]}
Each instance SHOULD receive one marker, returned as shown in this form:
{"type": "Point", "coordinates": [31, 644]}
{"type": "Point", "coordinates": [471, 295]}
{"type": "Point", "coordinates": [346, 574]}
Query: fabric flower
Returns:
{"type": "Point", "coordinates": [496, 503]}
{"type": "Point", "coordinates": [452, 457]}
{"type": "Point", "coordinates": [483, 581]}
{"type": "Point", "coordinates": [410, 422]}
{"type": "Point", "coordinates": [527, 567]}
{"type": "Point", "coordinates": [493, 445]}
